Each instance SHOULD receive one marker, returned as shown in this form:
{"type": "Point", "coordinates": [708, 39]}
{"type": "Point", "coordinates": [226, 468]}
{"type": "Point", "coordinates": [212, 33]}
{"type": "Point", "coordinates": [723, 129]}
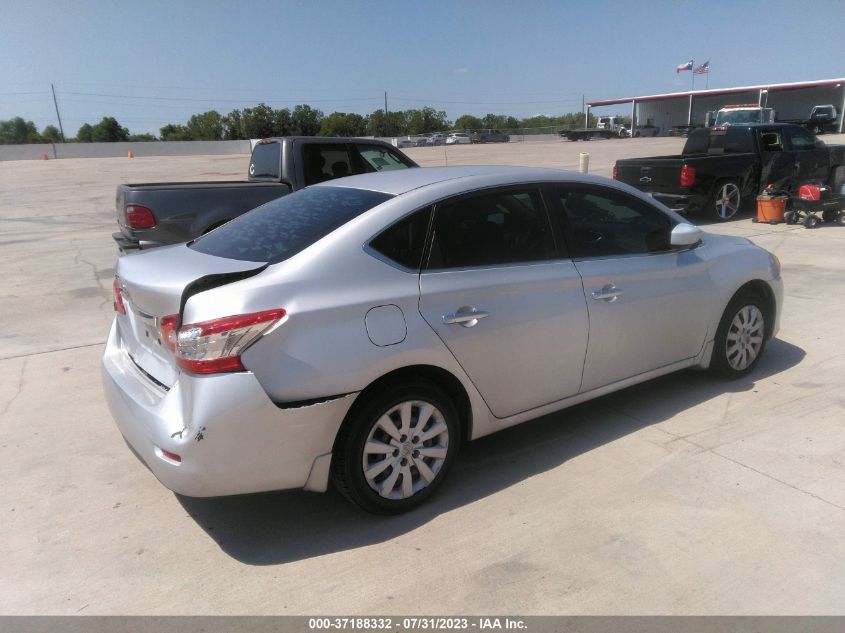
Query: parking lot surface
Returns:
{"type": "Point", "coordinates": [684, 495]}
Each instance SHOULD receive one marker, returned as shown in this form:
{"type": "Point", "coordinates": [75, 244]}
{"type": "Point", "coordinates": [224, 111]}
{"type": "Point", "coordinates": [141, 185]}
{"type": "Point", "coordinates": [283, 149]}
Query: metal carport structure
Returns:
{"type": "Point", "coordinates": [790, 101]}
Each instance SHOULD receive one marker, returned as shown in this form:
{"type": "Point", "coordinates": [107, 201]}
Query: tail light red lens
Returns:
{"type": "Point", "coordinates": [615, 172]}
{"type": "Point", "coordinates": [118, 304]}
{"type": "Point", "coordinates": [213, 347]}
{"type": "Point", "coordinates": [138, 217]}
{"type": "Point", "coordinates": [167, 329]}
{"type": "Point", "coordinates": [687, 176]}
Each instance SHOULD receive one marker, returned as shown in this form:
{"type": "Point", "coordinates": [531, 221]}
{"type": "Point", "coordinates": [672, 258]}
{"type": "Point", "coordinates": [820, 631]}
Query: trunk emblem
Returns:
{"type": "Point", "coordinates": [645, 179]}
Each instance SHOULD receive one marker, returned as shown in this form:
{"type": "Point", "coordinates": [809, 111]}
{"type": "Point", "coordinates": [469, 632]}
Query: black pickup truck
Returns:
{"type": "Point", "coordinates": [720, 169]}
{"type": "Point", "coordinates": [154, 214]}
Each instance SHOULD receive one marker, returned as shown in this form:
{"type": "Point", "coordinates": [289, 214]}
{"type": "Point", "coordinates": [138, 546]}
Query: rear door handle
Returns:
{"type": "Point", "coordinates": [465, 316]}
{"type": "Point", "coordinates": [608, 293]}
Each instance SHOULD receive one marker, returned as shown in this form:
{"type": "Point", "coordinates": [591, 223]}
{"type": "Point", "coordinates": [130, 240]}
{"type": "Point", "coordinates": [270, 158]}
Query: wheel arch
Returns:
{"type": "Point", "coordinates": [438, 376]}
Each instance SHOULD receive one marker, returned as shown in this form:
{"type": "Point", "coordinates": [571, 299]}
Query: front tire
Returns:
{"type": "Point", "coordinates": [725, 200]}
{"type": "Point", "coordinates": [396, 449]}
{"type": "Point", "coordinates": [741, 336]}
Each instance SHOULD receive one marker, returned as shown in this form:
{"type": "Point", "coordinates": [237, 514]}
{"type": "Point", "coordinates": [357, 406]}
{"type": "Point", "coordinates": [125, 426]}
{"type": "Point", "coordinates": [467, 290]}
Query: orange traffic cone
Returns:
{"type": "Point", "coordinates": [45, 157]}
{"type": "Point", "coordinates": [130, 154]}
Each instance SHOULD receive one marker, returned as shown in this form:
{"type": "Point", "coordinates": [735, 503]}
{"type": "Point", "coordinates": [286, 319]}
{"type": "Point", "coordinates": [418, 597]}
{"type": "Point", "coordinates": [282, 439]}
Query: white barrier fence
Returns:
{"type": "Point", "coordinates": [108, 150]}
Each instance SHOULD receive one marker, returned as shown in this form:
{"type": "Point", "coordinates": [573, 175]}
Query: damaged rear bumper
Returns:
{"type": "Point", "coordinates": [229, 436]}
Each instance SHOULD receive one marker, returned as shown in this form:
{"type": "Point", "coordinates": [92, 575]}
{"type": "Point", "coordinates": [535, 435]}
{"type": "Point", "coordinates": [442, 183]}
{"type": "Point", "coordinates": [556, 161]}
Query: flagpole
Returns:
{"type": "Point", "coordinates": [692, 72]}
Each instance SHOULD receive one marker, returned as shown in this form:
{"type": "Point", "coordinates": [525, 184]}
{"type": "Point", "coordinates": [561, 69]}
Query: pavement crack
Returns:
{"type": "Point", "coordinates": [751, 468]}
{"type": "Point", "coordinates": [17, 392]}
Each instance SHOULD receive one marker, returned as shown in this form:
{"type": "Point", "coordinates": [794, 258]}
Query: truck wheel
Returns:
{"type": "Point", "coordinates": [725, 200]}
{"type": "Point", "coordinates": [811, 221]}
{"type": "Point", "coordinates": [829, 215]}
{"type": "Point", "coordinates": [840, 218]}
{"type": "Point", "coordinates": [789, 217]}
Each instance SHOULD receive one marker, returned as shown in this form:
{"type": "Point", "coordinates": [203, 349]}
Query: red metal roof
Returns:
{"type": "Point", "coordinates": [720, 91]}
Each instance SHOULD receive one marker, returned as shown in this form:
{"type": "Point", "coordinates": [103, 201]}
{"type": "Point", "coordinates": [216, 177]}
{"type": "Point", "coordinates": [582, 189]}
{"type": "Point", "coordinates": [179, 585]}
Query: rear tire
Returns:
{"type": "Point", "coordinates": [740, 337]}
{"type": "Point", "coordinates": [395, 450]}
{"type": "Point", "coordinates": [840, 218]}
{"type": "Point", "coordinates": [811, 221]}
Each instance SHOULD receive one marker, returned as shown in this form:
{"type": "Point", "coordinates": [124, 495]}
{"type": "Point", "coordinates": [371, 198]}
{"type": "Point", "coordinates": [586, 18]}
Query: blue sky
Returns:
{"type": "Point", "coordinates": [148, 62]}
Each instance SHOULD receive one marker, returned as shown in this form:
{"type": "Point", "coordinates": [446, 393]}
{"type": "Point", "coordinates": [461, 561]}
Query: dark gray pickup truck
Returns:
{"type": "Point", "coordinates": [722, 168]}
{"type": "Point", "coordinates": [154, 214]}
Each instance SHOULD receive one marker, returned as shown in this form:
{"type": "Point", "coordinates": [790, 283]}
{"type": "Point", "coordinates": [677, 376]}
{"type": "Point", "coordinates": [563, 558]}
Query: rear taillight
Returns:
{"type": "Point", "coordinates": [138, 217]}
{"type": "Point", "coordinates": [615, 172]}
{"type": "Point", "coordinates": [167, 329]}
{"type": "Point", "coordinates": [118, 298]}
{"type": "Point", "coordinates": [687, 176]}
{"type": "Point", "coordinates": [213, 347]}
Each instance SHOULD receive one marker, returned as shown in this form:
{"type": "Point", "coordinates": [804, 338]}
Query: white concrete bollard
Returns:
{"type": "Point", "coordinates": [584, 162]}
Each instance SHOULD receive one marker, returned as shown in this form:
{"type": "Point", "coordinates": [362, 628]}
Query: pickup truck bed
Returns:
{"type": "Point", "coordinates": [188, 209]}
{"type": "Point", "coordinates": [154, 214]}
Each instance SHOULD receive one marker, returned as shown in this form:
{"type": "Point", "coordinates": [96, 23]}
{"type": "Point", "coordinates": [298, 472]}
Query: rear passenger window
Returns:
{"type": "Point", "coordinates": [489, 229]}
{"type": "Point", "coordinates": [325, 162]}
{"type": "Point", "coordinates": [603, 223]}
{"type": "Point", "coordinates": [404, 242]}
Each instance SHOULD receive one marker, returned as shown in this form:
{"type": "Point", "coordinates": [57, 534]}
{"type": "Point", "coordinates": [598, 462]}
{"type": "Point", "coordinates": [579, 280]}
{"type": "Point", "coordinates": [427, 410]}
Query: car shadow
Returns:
{"type": "Point", "coordinates": [281, 527]}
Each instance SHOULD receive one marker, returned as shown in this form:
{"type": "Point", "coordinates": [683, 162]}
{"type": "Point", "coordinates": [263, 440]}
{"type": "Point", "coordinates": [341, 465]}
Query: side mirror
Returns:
{"type": "Point", "coordinates": [684, 235]}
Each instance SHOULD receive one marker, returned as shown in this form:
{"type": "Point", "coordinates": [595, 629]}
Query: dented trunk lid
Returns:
{"type": "Point", "coordinates": [155, 284]}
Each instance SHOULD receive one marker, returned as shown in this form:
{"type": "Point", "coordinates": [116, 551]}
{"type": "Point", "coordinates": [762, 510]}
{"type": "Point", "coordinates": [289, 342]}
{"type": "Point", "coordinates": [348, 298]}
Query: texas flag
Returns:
{"type": "Point", "coordinates": [687, 66]}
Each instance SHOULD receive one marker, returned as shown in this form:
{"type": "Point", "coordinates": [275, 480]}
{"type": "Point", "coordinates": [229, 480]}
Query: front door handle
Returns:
{"type": "Point", "coordinates": [466, 316]}
{"type": "Point", "coordinates": [608, 293]}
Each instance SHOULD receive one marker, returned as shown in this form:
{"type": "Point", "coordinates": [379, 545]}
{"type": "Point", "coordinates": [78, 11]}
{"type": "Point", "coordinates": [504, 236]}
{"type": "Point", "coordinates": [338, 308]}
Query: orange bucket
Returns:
{"type": "Point", "coordinates": [770, 209]}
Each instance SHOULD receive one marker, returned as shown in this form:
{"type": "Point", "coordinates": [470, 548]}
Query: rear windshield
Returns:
{"type": "Point", "coordinates": [265, 161]}
{"type": "Point", "coordinates": [283, 227]}
{"type": "Point", "coordinates": [733, 140]}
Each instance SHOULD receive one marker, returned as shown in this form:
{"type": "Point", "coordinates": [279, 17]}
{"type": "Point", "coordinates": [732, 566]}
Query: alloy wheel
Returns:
{"type": "Point", "coordinates": [405, 449]}
{"type": "Point", "coordinates": [745, 337]}
{"type": "Point", "coordinates": [727, 201]}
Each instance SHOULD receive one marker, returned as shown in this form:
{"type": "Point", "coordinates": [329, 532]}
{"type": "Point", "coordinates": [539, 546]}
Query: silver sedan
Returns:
{"type": "Point", "coordinates": [359, 331]}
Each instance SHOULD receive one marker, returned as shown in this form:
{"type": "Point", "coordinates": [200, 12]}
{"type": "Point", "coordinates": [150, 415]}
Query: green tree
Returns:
{"type": "Point", "coordinates": [85, 134]}
{"type": "Point", "coordinates": [468, 122]}
{"type": "Point", "coordinates": [174, 132]}
{"type": "Point", "coordinates": [51, 134]}
{"type": "Point", "coordinates": [258, 122]}
{"type": "Point", "coordinates": [232, 126]}
{"type": "Point", "coordinates": [207, 126]}
{"type": "Point", "coordinates": [18, 132]}
{"type": "Point", "coordinates": [282, 123]}
{"type": "Point", "coordinates": [426, 120]}
{"type": "Point", "coordinates": [109, 131]}
{"type": "Point", "coordinates": [306, 120]}
{"type": "Point", "coordinates": [145, 137]}
{"type": "Point", "coordinates": [343, 124]}
{"type": "Point", "coordinates": [395, 124]}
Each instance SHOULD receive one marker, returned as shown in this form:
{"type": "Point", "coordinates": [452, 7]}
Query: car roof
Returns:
{"type": "Point", "coordinates": [402, 181]}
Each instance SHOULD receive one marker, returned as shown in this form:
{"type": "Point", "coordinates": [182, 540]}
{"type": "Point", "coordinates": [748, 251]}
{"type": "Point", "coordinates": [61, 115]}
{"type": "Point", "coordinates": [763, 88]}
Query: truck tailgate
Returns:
{"type": "Point", "coordinates": [652, 175]}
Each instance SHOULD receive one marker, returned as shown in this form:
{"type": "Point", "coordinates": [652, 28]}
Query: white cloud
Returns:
{"type": "Point", "coordinates": [460, 71]}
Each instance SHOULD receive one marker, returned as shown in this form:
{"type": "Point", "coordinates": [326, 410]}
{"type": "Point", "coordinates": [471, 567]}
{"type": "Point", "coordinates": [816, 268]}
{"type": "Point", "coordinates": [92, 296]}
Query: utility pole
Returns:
{"type": "Point", "coordinates": [386, 126]}
{"type": "Point", "coordinates": [584, 110]}
{"type": "Point", "coordinates": [58, 116]}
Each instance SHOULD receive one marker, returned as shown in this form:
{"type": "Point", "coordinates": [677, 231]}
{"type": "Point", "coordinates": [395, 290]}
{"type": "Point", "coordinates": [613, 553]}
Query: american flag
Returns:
{"type": "Point", "coordinates": [703, 69]}
{"type": "Point", "coordinates": [687, 66]}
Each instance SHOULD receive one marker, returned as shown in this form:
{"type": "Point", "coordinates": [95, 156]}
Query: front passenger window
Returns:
{"type": "Point", "coordinates": [603, 223]}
